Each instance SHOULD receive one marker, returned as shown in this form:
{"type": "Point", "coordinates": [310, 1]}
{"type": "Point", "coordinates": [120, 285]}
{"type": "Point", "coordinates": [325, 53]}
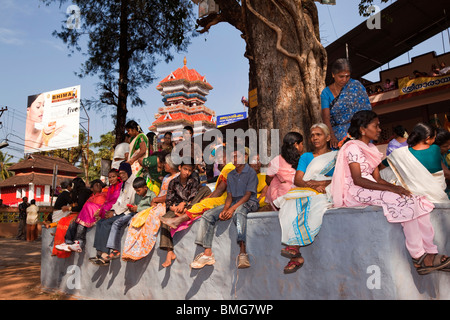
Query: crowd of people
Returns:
{"type": "Point", "coordinates": [392, 84]}
{"type": "Point", "coordinates": [156, 192]}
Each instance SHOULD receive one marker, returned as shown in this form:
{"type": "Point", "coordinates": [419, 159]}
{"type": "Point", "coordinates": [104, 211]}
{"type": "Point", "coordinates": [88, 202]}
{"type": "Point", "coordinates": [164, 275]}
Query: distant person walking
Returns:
{"type": "Point", "coordinates": [32, 221]}
{"type": "Point", "coordinates": [21, 233]}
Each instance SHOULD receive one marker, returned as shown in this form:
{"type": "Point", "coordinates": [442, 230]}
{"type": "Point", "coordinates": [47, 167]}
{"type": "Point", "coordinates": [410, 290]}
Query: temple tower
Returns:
{"type": "Point", "coordinates": [184, 93]}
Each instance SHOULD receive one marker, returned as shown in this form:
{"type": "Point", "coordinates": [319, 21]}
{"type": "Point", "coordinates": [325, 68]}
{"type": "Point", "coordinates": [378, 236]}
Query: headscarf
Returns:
{"type": "Point", "coordinates": [125, 166]}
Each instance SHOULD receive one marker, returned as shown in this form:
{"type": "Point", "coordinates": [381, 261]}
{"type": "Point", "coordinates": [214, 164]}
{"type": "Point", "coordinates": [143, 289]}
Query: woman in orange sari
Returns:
{"type": "Point", "coordinates": [144, 226]}
{"type": "Point", "coordinates": [79, 195]}
{"type": "Point", "coordinates": [60, 233]}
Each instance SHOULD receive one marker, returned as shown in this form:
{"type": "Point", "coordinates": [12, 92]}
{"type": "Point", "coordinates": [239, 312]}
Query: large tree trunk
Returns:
{"type": "Point", "coordinates": [287, 61]}
{"type": "Point", "coordinates": [287, 65]}
{"type": "Point", "coordinates": [123, 73]}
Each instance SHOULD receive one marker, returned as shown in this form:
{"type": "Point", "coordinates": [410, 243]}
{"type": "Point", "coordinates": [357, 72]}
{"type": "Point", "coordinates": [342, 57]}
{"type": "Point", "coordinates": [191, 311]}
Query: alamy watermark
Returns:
{"type": "Point", "coordinates": [374, 280]}
{"type": "Point", "coordinates": [236, 140]}
{"type": "Point", "coordinates": [374, 21]}
{"type": "Point", "coordinates": [74, 19]}
{"type": "Point", "coordinates": [74, 279]}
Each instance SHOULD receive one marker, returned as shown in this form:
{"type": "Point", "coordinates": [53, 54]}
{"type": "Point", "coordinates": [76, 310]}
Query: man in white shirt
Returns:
{"type": "Point", "coordinates": [121, 152]}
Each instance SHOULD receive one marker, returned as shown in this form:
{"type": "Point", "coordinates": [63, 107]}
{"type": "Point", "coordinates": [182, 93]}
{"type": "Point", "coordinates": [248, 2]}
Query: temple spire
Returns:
{"type": "Point", "coordinates": [184, 61]}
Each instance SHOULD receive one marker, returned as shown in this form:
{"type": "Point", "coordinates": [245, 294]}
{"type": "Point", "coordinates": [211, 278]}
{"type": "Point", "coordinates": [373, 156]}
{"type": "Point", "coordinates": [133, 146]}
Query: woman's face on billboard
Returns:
{"type": "Point", "coordinates": [36, 111]}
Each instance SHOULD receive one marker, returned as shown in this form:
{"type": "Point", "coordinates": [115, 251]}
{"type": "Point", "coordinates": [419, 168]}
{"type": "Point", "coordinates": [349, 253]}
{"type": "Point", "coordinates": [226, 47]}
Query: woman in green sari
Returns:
{"type": "Point", "coordinates": [138, 146]}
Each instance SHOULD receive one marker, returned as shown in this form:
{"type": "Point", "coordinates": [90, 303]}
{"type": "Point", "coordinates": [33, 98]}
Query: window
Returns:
{"type": "Point", "coordinates": [38, 192]}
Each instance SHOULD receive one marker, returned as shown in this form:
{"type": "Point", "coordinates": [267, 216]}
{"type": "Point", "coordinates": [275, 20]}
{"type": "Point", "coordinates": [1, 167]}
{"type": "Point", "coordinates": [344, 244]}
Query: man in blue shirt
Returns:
{"type": "Point", "coordinates": [241, 199]}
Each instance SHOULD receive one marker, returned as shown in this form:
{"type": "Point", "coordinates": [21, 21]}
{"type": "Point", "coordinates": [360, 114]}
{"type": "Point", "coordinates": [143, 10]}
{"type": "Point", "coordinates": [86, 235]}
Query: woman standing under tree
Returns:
{"type": "Point", "coordinates": [341, 99]}
{"type": "Point", "coordinates": [138, 146]}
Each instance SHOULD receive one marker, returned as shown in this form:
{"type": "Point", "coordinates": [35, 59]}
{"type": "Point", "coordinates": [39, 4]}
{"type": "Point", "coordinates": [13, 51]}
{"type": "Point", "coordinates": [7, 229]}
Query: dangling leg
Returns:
{"type": "Point", "coordinates": [419, 236]}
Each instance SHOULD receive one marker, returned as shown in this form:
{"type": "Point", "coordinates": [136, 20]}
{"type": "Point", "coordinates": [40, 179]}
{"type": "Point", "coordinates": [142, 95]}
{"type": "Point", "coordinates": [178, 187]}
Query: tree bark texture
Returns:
{"type": "Point", "coordinates": [123, 74]}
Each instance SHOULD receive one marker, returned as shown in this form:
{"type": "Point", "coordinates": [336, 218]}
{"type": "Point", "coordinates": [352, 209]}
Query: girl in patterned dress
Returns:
{"type": "Point", "coordinates": [357, 182]}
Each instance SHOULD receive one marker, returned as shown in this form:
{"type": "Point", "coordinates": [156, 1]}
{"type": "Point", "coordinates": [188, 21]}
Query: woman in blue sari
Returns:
{"type": "Point", "coordinates": [341, 100]}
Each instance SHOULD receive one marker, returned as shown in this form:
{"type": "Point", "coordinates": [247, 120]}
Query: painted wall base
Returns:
{"type": "Point", "coordinates": [357, 255]}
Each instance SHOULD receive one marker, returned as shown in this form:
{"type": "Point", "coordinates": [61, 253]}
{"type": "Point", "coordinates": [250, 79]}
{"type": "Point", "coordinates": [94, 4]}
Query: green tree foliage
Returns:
{"type": "Point", "coordinates": [105, 150]}
{"type": "Point", "coordinates": [365, 4]}
{"type": "Point", "coordinates": [105, 146]}
{"type": "Point", "coordinates": [126, 39]}
{"type": "Point", "coordinates": [4, 165]}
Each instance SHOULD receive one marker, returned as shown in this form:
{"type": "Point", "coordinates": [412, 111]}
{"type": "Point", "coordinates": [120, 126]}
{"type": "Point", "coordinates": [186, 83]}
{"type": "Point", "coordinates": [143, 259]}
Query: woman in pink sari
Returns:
{"type": "Point", "coordinates": [93, 209]}
{"type": "Point", "coordinates": [281, 171]}
{"type": "Point", "coordinates": [357, 182]}
{"type": "Point", "coordinates": [96, 207]}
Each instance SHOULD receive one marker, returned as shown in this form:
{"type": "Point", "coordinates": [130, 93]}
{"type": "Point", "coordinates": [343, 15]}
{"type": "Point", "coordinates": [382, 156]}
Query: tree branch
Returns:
{"type": "Point", "coordinates": [209, 21]}
{"type": "Point", "coordinates": [230, 11]}
{"type": "Point", "coordinates": [305, 30]}
{"type": "Point", "coordinates": [279, 32]}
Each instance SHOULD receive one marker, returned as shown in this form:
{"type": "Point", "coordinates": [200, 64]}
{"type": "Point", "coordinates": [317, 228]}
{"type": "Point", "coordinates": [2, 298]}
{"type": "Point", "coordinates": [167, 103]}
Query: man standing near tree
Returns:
{"type": "Point", "coordinates": [22, 219]}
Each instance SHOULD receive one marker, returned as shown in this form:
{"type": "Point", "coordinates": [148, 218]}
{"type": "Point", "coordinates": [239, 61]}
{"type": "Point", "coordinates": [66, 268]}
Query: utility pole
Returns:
{"type": "Point", "coordinates": [1, 113]}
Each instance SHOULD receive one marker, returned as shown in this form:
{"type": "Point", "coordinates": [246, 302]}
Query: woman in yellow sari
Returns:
{"type": "Point", "coordinates": [144, 226]}
{"type": "Point", "coordinates": [138, 147]}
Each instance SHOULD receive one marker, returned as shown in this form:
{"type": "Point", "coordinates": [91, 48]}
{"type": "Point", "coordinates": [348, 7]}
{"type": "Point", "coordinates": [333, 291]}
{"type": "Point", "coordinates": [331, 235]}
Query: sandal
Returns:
{"type": "Point", "coordinates": [446, 269]}
{"type": "Point", "coordinates": [437, 264]}
{"type": "Point", "coordinates": [100, 262]}
{"type": "Point", "coordinates": [113, 255]}
{"type": "Point", "coordinates": [94, 259]}
{"type": "Point", "coordinates": [291, 252]}
{"type": "Point", "coordinates": [292, 266]}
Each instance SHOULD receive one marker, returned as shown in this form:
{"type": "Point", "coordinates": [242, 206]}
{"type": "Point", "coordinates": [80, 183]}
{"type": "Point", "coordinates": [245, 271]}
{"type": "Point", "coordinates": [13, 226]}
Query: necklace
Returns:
{"type": "Point", "coordinates": [334, 90]}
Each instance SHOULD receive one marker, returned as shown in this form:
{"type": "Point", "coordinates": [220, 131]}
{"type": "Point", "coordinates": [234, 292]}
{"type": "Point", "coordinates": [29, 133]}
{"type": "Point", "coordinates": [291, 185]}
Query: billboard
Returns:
{"type": "Point", "coordinates": [407, 85]}
{"type": "Point", "coordinates": [53, 120]}
{"type": "Point", "coordinates": [230, 118]}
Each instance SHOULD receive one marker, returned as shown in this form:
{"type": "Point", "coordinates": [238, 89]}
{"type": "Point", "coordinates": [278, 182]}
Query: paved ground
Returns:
{"type": "Point", "coordinates": [20, 269]}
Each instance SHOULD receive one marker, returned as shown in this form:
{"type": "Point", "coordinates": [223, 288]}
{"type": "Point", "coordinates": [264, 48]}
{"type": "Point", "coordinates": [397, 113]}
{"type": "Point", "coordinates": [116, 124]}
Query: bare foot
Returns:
{"type": "Point", "coordinates": [171, 222]}
{"type": "Point", "coordinates": [170, 256]}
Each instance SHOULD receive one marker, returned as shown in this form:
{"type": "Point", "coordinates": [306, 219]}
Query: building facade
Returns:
{"type": "Point", "coordinates": [33, 179]}
{"type": "Point", "coordinates": [419, 94]}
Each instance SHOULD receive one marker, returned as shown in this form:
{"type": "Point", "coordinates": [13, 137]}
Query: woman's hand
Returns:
{"type": "Point", "coordinates": [311, 184]}
{"type": "Point", "coordinates": [320, 189]}
{"type": "Point", "coordinates": [327, 120]}
{"type": "Point", "coordinates": [52, 128]}
{"type": "Point", "coordinates": [400, 191]}
{"type": "Point", "coordinates": [333, 141]}
{"type": "Point", "coordinates": [319, 186]}
{"type": "Point", "coordinates": [154, 202]}
{"type": "Point", "coordinates": [109, 214]}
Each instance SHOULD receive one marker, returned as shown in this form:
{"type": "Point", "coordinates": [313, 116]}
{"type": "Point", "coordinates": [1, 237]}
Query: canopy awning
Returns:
{"type": "Point", "coordinates": [404, 24]}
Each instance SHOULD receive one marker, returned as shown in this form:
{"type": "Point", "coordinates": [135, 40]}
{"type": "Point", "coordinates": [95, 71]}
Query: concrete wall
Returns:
{"type": "Point", "coordinates": [357, 255]}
